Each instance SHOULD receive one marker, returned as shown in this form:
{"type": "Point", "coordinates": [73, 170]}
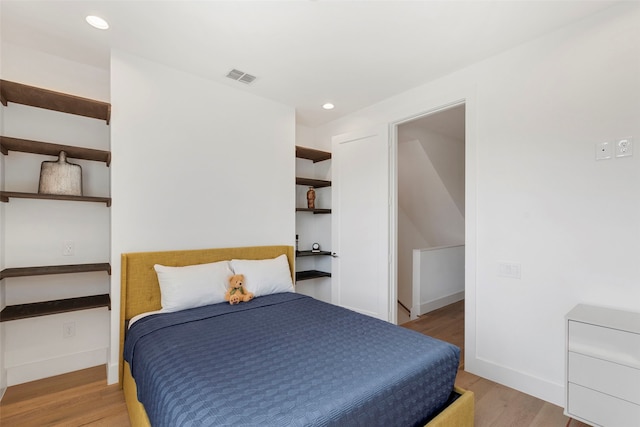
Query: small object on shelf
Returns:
{"type": "Point", "coordinates": [60, 177]}
{"type": "Point", "coordinates": [311, 198]}
{"type": "Point", "coordinates": [315, 247]}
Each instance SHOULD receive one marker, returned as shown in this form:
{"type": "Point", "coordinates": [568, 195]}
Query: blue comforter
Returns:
{"type": "Point", "coordinates": [286, 360]}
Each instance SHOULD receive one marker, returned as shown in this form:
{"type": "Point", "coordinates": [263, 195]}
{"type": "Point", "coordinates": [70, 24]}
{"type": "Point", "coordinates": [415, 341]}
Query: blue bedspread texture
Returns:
{"type": "Point", "coordinates": [286, 360]}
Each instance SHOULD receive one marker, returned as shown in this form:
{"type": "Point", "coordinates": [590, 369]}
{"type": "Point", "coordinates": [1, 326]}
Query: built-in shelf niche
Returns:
{"type": "Point", "coordinates": [18, 93]}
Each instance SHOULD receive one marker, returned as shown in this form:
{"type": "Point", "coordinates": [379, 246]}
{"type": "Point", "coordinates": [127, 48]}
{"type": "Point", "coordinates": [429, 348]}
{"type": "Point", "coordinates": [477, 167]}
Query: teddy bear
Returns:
{"type": "Point", "coordinates": [236, 292]}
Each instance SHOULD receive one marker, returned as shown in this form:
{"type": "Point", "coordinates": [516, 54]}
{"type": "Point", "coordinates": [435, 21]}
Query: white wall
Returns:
{"type": "Point", "coordinates": [34, 230]}
{"type": "Point", "coordinates": [195, 165]}
{"type": "Point", "coordinates": [445, 153]}
{"type": "Point", "coordinates": [535, 194]}
{"type": "Point", "coordinates": [425, 197]}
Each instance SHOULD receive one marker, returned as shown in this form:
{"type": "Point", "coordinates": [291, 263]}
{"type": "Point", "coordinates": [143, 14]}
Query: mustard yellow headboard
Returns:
{"type": "Point", "coordinates": [140, 291]}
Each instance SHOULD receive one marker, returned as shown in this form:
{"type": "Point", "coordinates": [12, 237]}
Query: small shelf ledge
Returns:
{"type": "Point", "coordinates": [312, 253]}
{"type": "Point", "coordinates": [6, 195]}
{"type": "Point", "coordinates": [54, 269]}
{"type": "Point", "coordinates": [43, 98]}
{"type": "Point", "coordinates": [311, 274]}
{"type": "Point", "coordinates": [311, 154]}
{"type": "Point", "coordinates": [315, 211]}
{"type": "Point", "coordinates": [316, 183]}
{"type": "Point", "coordinates": [24, 311]}
{"type": "Point", "coordinates": [36, 147]}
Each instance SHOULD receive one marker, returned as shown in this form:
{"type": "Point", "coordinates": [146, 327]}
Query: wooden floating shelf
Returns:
{"type": "Point", "coordinates": [316, 183]}
{"type": "Point", "coordinates": [36, 147]}
{"type": "Point", "coordinates": [24, 311]}
{"type": "Point", "coordinates": [311, 154]}
{"type": "Point", "coordinates": [311, 253]}
{"type": "Point", "coordinates": [43, 98]}
{"type": "Point", "coordinates": [315, 211]}
{"type": "Point", "coordinates": [54, 269]}
{"type": "Point", "coordinates": [310, 274]}
{"type": "Point", "coordinates": [6, 195]}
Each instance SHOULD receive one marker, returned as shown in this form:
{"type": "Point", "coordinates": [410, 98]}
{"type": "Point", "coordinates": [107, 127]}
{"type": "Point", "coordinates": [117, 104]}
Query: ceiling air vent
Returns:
{"type": "Point", "coordinates": [241, 76]}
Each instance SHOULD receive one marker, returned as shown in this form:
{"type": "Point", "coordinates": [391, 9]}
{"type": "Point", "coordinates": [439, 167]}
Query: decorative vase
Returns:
{"type": "Point", "coordinates": [311, 198]}
{"type": "Point", "coordinates": [60, 177]}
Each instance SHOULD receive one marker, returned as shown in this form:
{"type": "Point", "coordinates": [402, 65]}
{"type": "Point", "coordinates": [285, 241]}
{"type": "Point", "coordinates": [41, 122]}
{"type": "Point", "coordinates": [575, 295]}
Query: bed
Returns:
{"type": "Point", "coordinates": [279, 359]}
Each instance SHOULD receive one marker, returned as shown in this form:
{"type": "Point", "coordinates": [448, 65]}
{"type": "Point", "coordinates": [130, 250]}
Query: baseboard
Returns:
{"type": "Point", "coordinates": [428, 306]}
{"type": "Point", "coordinates": [55, 366]}
{"type": "Point", "coordinates": [3, 379]}
{"type": "Point", "coordinates": [538, 387]}
{"type": "Point", "coordinates": [113, 373]}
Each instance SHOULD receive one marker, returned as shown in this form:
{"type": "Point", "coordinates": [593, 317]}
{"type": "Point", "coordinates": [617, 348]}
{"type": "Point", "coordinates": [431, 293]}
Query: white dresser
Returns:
{"type": "Point", "coordinates": [603, 366]}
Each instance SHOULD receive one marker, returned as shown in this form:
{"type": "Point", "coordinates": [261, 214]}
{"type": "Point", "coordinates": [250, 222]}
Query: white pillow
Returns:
{"type": "Point", "coordinates": [192, 285]}
{"type": "Point", "coordinates": [265, 276]}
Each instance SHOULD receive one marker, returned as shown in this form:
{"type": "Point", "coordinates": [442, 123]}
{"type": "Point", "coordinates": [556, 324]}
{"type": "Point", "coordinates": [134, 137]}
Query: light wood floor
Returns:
{"type": "Point", "coordinates": [83, 397]}
{"type": "Point", "coordinates": [495, 404]}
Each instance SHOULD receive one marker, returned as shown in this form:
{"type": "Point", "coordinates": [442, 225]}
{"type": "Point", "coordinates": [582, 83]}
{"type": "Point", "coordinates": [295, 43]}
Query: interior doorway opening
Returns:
{"type": "Point", "coordinates": [430, 211]}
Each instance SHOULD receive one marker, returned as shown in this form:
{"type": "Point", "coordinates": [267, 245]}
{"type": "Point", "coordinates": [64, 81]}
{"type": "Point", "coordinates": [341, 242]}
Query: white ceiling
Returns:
{"type": "Point", "coordinates": [304, 53]}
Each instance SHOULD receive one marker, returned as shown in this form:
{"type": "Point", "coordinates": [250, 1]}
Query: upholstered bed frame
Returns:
{"type": "Point", "coordinates": [140, 292]}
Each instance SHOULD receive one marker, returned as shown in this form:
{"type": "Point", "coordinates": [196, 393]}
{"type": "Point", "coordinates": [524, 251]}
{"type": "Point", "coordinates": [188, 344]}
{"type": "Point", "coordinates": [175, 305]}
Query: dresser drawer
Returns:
{"type": "Point", "coordinates": [605, 343]}
{"type": "Point", "coordinates": [610, 378]}
{"type": "Point", "coordinates": [600, 408]}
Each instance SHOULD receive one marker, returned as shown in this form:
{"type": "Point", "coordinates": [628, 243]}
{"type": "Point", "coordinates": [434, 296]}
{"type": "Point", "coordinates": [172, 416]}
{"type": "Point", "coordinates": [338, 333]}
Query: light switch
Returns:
{"type": "Point", "coordinates": [604, 150]}
{"type": "Point", "coordinates": [508, 269]}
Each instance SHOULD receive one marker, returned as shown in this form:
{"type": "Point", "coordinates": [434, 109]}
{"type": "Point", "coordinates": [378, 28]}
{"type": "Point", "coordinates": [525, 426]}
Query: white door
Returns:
{"type": "Point", "coordinates": [360, 222]}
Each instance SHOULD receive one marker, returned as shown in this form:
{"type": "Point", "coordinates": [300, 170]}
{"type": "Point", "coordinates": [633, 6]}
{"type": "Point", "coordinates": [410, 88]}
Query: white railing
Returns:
{"type": "Point", "coordinates": [438, 278]}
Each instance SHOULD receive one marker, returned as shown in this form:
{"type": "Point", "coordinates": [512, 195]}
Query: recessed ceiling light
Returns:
{"type": "Point", "coordinates": [328, 106]}
{"type": "Point", "coordinates": [97, 22]}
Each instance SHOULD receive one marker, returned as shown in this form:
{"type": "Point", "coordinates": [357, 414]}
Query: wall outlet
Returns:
{"type": "Point", "coordinates": [68, 329]}
{"type": "Point", "coordinates": [68, 248]}
{"type": "Point", "coordinates": [624, 147]}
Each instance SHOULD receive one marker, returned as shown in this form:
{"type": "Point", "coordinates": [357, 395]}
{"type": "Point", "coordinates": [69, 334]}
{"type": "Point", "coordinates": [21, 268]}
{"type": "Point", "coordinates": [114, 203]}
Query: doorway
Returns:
{"type": "Point", "coordinates": [430, 211]}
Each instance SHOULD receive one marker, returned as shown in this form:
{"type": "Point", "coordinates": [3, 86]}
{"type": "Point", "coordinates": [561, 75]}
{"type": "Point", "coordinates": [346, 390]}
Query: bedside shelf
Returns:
{"type": "Point", "coordinates": [315, 211]}
{"type": "Point", "coordinates": [36, 309]}
{"type": "Point", "coordinates": [54, 269]}
{"type": "Point", "coordinates": [36, 147]}
{"type": "Point", "coordinates": [310, 274]}
{"type": "Point", "coordinates": [311, 253]}
{"type": "Point", "coordinates": [6, 195]}
{"type": "Point", "coordinates": [316, 183]}
{"type": "Point", "coordinates": [43, 98]}
{"type": "Point", "coordinates": [311, 154]}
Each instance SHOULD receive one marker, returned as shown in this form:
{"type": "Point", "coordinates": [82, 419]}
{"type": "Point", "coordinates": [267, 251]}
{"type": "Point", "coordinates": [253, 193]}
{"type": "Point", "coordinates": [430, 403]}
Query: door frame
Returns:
{"type": "Point", "coordinates": [393, 201]}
